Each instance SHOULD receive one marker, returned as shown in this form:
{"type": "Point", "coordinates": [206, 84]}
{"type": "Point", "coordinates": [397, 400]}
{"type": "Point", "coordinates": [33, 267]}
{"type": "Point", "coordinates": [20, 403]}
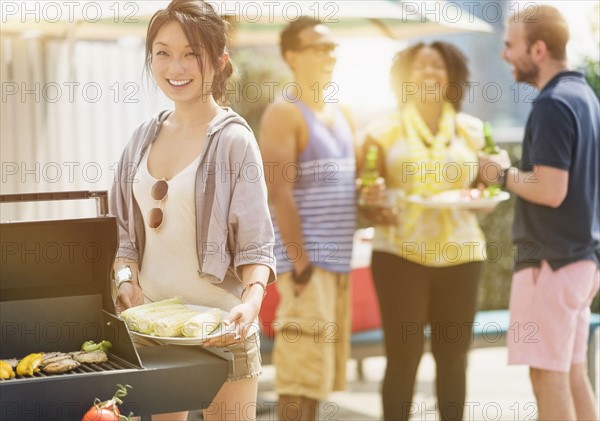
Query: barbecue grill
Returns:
{"type": "Point", "coordinates": [55, 294]}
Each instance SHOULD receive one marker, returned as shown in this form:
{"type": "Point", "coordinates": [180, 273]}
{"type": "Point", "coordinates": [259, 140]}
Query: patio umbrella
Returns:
{"type": "Point", "coordinates": [395, 19]}
{"type": "Point", "coordinates": [253, 22]}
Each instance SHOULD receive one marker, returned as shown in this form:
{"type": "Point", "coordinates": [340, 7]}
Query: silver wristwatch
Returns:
{"type": "Point", "coordinates": [123, 275]}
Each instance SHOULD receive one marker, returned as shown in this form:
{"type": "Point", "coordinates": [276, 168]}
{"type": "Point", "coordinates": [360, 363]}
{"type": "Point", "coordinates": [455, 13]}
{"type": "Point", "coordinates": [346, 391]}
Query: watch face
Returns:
{"type": "Point", "coordinates": [124, 274]}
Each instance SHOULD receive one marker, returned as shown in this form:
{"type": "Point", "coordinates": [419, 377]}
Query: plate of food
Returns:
{"type": "Point", "coordinates": [468, 199]}
{"type": "Point", "coordinates": [174, 322]}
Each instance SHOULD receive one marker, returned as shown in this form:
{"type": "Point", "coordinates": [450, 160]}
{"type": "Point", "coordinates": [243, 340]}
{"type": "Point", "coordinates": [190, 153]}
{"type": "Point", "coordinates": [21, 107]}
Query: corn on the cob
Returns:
{"type": "Point", "coordinates": [145, 322]}
{"type": "Point", "coordinates": [172, 325]}
{"type": "Point", "coordinates": [141, 318]}
{"type": "Point", "coordinates": [169, 318]}
{"type": "Point", "coordinates": [203, 324]}
{"type": "Point", "coordinates": [133, 312]}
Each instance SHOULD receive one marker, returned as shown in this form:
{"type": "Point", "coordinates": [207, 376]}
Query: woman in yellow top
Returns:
{"type": "Point", "coordinates": [426, 262]}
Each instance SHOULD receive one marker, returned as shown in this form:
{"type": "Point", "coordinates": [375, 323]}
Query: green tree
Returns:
{"type": "Point", "coordinates": [592, 74]}
{"type": "Point", "coordinates": [592, 69]}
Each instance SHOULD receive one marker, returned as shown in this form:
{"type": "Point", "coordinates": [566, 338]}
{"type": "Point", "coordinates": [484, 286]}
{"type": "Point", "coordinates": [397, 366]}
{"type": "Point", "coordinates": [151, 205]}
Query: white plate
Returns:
{"type": "Point", "coordinates": [184, 340]}
{"type": "Point", "coordinates": [484, 203]}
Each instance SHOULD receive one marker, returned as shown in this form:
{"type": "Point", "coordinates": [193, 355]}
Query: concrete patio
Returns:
{"type": "Point", "coordinates": [495, 391]}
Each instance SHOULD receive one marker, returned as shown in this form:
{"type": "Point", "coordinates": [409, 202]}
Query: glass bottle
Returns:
{"type": "Point", "coordinates": [490, 147]}
{"type": "Point", "coordinates": [370, 171]}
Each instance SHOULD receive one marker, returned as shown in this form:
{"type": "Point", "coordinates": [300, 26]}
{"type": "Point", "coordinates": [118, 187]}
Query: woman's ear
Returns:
{"type": "Point", "coordinates": [224, 60]}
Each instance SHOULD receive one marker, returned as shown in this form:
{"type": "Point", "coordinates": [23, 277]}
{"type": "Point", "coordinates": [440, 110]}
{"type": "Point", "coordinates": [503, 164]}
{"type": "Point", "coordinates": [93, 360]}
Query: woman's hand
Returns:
{"type": "Point", "coordinates": [241, 317]}
{"type": "Point", "coordinates": [381, 215]}
{"type": "Point", "coordinates": [129, 295]}
{"type": "Point", "coordinates": [373, 195]}
{"type": "Point", "coordinates": [237, 324]}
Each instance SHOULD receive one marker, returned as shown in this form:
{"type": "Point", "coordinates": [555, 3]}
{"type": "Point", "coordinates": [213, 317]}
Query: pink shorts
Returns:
{"type": "Point", "coordinates": [550, 315]}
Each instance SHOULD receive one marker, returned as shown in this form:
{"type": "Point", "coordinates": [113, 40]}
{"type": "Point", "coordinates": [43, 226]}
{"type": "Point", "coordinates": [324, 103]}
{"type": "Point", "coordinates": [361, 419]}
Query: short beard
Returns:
{"type": "Point", "coordinates": [528, 75]}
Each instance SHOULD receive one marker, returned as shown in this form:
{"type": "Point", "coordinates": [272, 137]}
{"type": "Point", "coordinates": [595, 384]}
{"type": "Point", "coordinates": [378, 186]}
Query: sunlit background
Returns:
{"type": "Point", "coordinates": [364, 64]}
{"type": "Point", "coordinates": [72, 94]}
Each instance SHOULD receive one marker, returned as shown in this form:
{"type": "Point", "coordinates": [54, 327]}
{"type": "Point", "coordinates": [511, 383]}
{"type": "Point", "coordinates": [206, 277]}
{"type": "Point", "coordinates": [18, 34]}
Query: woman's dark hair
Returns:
{"type": "Point", "coordinates": [289, 36]}
{"type": "Point", "coordinates": [456, 66]}
{"type": "Point", "coordinates": [206, 32]}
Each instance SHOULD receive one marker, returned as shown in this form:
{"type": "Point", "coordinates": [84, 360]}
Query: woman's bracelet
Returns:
{"type": "Point", "coordinates": [251, 284]}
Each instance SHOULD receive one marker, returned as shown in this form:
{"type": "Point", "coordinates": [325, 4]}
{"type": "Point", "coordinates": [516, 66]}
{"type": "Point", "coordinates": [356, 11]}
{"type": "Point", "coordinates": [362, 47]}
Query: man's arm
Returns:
{"type": "Point", "coordinates": [280, 143]}
{"type": "Point", "coordinates": [546, 186]}
{"type": "Point", "coordinates": [552, 136]}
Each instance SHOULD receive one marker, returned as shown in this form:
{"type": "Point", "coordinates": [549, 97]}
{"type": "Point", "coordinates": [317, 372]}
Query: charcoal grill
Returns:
{"type": "Point", "coordinates": [55, 294]}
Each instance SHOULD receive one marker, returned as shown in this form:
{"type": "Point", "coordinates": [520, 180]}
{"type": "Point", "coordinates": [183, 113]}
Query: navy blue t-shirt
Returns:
{"type": "Point", "coordinates": [563, 131]}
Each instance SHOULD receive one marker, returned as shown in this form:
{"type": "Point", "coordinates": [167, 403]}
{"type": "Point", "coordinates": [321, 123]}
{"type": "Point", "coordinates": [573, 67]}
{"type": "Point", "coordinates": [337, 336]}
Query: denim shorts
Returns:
{"type": "Point", "coordinates": [246, 356]}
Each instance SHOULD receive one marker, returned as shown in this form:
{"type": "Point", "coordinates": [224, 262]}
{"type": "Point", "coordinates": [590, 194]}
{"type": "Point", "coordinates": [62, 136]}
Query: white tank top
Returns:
{"type": "Point", "coordinates": [170, 261]}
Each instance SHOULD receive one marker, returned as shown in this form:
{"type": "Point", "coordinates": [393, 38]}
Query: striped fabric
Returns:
{"type": "Point", "coordinates": [324, 191]}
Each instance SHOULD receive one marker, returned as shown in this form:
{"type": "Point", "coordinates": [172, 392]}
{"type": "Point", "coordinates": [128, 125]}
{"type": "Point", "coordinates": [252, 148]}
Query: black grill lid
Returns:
{"type": "Point", "coordinates": [45, 259]}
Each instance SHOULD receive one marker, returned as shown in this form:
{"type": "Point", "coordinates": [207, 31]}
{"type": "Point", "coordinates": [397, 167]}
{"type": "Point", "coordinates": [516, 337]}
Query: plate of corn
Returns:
{"type": "Point", "coordinates": [174, 322]}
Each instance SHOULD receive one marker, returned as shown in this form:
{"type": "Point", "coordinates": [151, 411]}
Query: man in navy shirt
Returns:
{"type": "Point", "coordinates": [557, 217]}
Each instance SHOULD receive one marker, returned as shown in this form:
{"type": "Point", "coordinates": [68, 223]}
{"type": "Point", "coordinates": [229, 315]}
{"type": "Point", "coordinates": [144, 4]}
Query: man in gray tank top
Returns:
{"type": "Point", "coordinates": [307, 142]}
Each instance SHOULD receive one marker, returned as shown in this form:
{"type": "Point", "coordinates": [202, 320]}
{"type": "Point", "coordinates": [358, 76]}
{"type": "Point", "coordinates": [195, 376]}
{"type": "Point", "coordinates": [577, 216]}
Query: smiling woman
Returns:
{"type": "Point", "coordinates": [182, 73]}
{"type": "Point", "coordinates": [427, 283]}
{"type": "Point", "coordinates": [170, 53]}
{"type": "Point", "coordinates": [172, 206]}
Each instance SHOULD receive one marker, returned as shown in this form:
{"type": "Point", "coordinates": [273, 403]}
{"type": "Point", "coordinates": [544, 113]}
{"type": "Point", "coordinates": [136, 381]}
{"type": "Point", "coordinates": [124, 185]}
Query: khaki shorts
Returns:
{"type": "Point", "coordinates": [312, 334]}
{"type": "Point", "coordinates": [246, 356]}
{"type": "Point", "coordinates": [550, 315]}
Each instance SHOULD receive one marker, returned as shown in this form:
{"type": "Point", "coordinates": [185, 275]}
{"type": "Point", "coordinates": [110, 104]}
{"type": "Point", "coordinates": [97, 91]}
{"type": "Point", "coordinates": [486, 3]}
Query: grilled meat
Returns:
{"type": "Point", "coordinates": [54, 357]}
{"type": "Point", "coordinates": [46, 355]}
{"type": "Point", "coordinates": [93, 357]}
{"type": "Point", "coordinates": [62, 366]}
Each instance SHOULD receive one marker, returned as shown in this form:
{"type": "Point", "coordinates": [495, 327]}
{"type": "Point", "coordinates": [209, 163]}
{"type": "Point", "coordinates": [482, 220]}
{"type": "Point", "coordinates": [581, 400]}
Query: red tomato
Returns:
{"type": "Point", "coordinates": [97, 413]}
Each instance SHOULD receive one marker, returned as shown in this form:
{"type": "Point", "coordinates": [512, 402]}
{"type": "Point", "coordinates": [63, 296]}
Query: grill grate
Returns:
{"type": "Point", "coordinates": [110, 365]}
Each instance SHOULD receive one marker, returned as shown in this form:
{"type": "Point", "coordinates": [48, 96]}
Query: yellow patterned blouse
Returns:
{"type": "Point", "coordinates": [420, 163]}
